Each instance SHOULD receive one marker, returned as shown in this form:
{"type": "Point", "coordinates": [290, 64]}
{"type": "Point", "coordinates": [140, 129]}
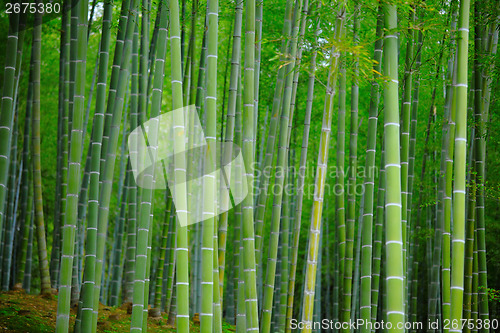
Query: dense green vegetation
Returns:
{"type": "Point", "coordinates": [368, 135]}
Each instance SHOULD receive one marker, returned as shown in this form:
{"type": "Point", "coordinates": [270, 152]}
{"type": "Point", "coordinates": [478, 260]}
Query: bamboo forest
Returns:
{"type": "Point", "coordinates": [250, 166]}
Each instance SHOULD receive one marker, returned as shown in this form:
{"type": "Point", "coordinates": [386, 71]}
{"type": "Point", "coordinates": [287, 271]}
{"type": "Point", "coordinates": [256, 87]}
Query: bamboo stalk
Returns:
{"type": "Point", "coordinates": [74, 161]}
{"type": "Point", "coordinates": [301, 175]}
{"type": "Point", "coordinates": [228, 137]}
{"type": "Point", "coordinates": [182, 267]}
{"type": "Point", "coordinates": [314, 233]}
{"type": "Point", "coordinates": [459, 107]}
{"type": "Point", "coordinates": [367, 280]}
{"type": "Point", "coordinates": [393, 227]}
{"type": "Point", "coordinates": [347, 288]}
{"type": "Point", "coordinates": [248, 148]}
{"type": "Point", "coordinates": [95, 155]}
{"type": "Point", "coordinates": [109, 147]}
{"type": "Point", "coordinates": [7, 108]}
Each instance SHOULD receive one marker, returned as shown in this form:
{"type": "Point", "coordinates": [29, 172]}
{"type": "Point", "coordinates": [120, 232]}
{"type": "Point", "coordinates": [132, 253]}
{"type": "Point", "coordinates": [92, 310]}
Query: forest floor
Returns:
{"type": "Point", "coordinates": [21, 312]}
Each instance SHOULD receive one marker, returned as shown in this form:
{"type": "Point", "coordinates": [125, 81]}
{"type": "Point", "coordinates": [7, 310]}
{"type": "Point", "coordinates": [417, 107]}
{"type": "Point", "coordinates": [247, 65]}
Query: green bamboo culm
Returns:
{"type": "Point", "coordinates": [393, 227]}
{"type": "Point", "coordinates": [74, 166]}
{"type": "Point", "coordinates": [17, 197]}
{"type": "Point", "coordinates": [259, 5]}
{"type": "Point", "coordinates": [157, 89]}
{"type": "Point", "coordinates": [405, 141]}
{"type": "Point", "coordinates": [95, 159]}
{"type": "Point", "coordinates": [280, 178]}
{"type": "Point", "coordinates": [321, 171]}
{"type": "Point", "coordinates": [8, 234]}
{"type": "Point", "coordinates": [108, 152]}
{"type": "Point", "coordinates": [207, 319]}
{"type": "Point", "coordinates": [115, 72]}
{"type": "Point", "coordinates": [459, 107]}
{"type": "Point", "coordinates": [146, 53]}
{"type": "Point", "coordinates": [481, 118]}
{"type": "Point", "coordinates": [301, 177]}
{"type": "Point", "coordinates": [61, 189]}
{"type": "Point", "coordinates": [444, 209]}
{"type": "Point", "coordinates": [171, 266]}
{"type": "Point", "coordinates": [248, 147]}
{"type": "Point", "coordinates": [165, 241]}
{"type": "Point", "coordinates": [7, 108]}
{"type": "Point", "coordinates": [211, 126]}
{"type": "Point", "coordinates": [229, 135]}
{"type": "Point", "coordinates": [239, 304]}
{"type": "Point", "coordinates": [182, 250]}
{"type": "Point", "coordinates": [340, 182]}
{"type": "Point", "coordinates": [11, 228]}
{"type": "Point", "coordinates": [368, 195]}
{"type": "Point", "coordinates": [377, 239]}
{"type": "Point", "coordinates": [37, 176]}
{"type": "Point", "coordinates": [127, 293]}
{"type": "Point", "coordinates": [413, 264]}
{"type": "Point", "coordinates": [290, 265]}
{"type": "Point", "coordinates": [351, 185]}
{"type": "Point", "coordinates": [262, 194]}
{"type": "Point", "coordinates": [144, 225]}
{"type": "Point", "coordinates": [115, 269]}
{"type": "Point", "coordinates": [26, 191]}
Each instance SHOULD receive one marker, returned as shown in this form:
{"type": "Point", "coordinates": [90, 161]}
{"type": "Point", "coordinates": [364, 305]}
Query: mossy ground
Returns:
{"type": "Point", "coordinates": [20, 312]}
